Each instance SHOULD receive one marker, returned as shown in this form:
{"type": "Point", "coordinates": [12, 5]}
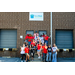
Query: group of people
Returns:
{"type": "Point", "coordinates": [40, 45]}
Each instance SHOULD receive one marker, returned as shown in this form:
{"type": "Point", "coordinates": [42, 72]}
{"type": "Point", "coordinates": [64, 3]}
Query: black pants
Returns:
{"type": "Point", "coordinates": [23, 56]}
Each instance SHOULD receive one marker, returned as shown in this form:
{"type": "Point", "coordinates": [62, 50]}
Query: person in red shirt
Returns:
{"type": "Point", "coordinates": [44, 52]}
{"type": "Point", "coordinates": [46, 39]}
{"type": "Point", "coordinates": [27, 53]}
{"type": "Point", "coordinates": [39, 47]}
{"type": "Point", "coordinates": [26, 38]}
{"type": "Point", "coordinates": [43, 35]}
{"type": "Point", "coordinates": [33, 43]}
{"type": "Point", "coordinates": [30, 38]}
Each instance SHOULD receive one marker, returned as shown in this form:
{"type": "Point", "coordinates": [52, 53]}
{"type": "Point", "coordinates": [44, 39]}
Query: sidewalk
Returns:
{"type": "Point", "coordinates": [66, 59]}
{"type": "Point", "coordinates": [9, 59]}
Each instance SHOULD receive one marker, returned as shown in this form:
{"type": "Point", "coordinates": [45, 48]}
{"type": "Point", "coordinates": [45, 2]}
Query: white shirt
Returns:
{"type": "Point", "coordinates": [54, 49]}
{"type": "Point", "coordinates": [22, 50]}
{"type": "Point", "coordinates": [42, 39]}
{"type": "Point", "coordinates": [36, 38]}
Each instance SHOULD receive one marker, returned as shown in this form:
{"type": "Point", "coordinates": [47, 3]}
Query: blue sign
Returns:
{"type": "Point", "coordinates": [36, 16]}
{"type": "Point", "coordinates": [32, 16]}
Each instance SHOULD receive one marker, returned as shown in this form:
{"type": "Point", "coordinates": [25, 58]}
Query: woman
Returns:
{"type": "Point", "coordinates": [44, 52]}
{"type": "Point", "coordinates": [54, 52]}
{"type": "Point", "coordinates": [22, 52]}
{"type": "Point", "coordinates": [33, 43]}
{"type": "Point", "coordinates": [27, 53]}
{"type": "Point", "coordinates": [49, 52]}
{"type": "Point", "coordinates": [32, 51]}
{"type": "Point", "coordinates": [38, 40]}
{"type": "Point", "coordinates": [39, 47]}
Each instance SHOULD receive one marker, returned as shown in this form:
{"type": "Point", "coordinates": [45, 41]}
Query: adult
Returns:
{"type": "Point", "coordinates": [41, 39]}
{"type": "Point", "coordinates": [36, 37]}
{"type": "Point", "coordinates": [22, 52]}
{"type": "Point", "coordinates": [32, 51]}
{"type": "Point", "coordinates": [46, 39]}
{"type": "Point", "coordinates": [27, 53]}
{"type": "Point", "coordinates": [26, 38]}
{"type": "Point", "coordinates": [39, 47]}
{"type": "Point", "coordinates": [49, 52]}
{"type": "Point", "coordinates": [36, 34]}
{"type": "Point", "coordinates": [43, 35]}
{"type": "Point", "coordinates": [38, 40]}
{"type": "Point", "coordinates": [54, 55]}
{"type": "Point", "coordinates": [30, 38]}
{"type": "Point", "coordinates": [33, 43]}
{"type": "Point", "coordinates": [44, 52]}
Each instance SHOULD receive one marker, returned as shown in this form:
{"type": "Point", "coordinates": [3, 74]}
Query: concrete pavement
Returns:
{"type": "Point", "coordinates": [9, 59]}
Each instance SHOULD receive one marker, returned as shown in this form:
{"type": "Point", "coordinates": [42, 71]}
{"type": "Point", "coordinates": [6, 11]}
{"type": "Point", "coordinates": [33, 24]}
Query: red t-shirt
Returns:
{"type": "Point", "coordinates": [32, 43]}
{"type": "Point", "coordinates": [26, 50]}
{"type": "Point", "coordinates": [46, 38]}
{"type": "Point", "coordinates": [43, 35]}
{"type": "Point", "coordinates": [38, 47]}
{"type": "Point", "coordinates": [26, 37]}
{"type": "Point", "coordinates": [29, 38]}
{"type": "Point", "coordinates": [44, 49]}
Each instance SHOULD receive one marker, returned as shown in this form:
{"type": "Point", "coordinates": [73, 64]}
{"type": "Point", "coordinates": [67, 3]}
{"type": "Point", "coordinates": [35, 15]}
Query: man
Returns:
{"type": "Point", "coordinates": [46, 39]}
{"type": "Point", "coordinates": [44, 52]}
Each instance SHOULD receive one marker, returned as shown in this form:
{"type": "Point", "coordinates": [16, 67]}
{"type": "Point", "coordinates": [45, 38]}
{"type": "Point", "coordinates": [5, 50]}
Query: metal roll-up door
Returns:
{"type": "Point", "coordinates": [8, 38]}
{"type": "Point", "coordinates": [64, 39]}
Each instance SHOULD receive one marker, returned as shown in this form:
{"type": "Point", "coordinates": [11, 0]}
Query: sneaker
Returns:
{"type": "Point", "coordinates": [24, 60]}
{"type": "Point", "coordinates": [32, 60]}
{"type": "Point", "coordinates": [39, 57]}
{"type": "Point", "coordinates": [21, 61]}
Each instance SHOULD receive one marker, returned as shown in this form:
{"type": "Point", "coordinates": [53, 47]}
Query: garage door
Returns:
{"type": "Point", "coordinates": [64, 39]}
{"type": "Point", "coordinates": [8, 38]}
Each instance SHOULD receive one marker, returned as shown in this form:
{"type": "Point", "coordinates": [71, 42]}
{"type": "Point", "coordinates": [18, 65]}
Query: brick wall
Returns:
{"type": "Point", "coordinates": [20, 21]}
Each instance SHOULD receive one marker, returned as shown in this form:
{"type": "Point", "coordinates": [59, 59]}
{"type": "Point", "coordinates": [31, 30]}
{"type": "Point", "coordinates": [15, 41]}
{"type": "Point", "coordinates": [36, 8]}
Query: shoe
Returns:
{"type": "Point", "coordinates": [32, 60]}
{"type": "Point", "coordinates": [21, 61]}
{"type": "Point", "coordinates": [39, 57]}
{"type": "Point", "coordinates": [24, 60]}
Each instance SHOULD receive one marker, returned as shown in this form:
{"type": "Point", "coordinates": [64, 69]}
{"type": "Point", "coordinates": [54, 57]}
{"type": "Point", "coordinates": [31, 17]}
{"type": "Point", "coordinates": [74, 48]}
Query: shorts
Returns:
{"type": "Point", "coordinates": [26, 54]}
{"type": "Point", "coordinates": [38, 50]}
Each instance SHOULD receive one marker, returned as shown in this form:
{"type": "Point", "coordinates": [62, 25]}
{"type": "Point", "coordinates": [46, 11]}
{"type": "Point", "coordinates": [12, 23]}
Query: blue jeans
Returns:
{"type": "Point", "coordinates": [48, 56]}
{"type": "Point", "coordinates": [46, 42]}
{"type": "Point", "coordinates": [44, 57]}
{"type": "Point", "coordinates": [54, 57]}
{"type": "Point", "coordinates": [29, 43]}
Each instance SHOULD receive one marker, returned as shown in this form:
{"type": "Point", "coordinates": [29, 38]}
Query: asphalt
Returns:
{"type": "Point", "coordinates": [9, 59]}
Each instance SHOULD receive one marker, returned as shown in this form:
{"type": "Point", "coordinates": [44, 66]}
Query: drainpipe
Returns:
{"type": "Point", "coordinates": [51, 27]}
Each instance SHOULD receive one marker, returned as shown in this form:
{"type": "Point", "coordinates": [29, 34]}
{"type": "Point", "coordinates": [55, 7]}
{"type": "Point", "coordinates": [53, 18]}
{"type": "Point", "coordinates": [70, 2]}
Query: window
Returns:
{"type": "Point", "coordinates": [30, 32]}
{"type": "Point", "coordinates": [42, 31]}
